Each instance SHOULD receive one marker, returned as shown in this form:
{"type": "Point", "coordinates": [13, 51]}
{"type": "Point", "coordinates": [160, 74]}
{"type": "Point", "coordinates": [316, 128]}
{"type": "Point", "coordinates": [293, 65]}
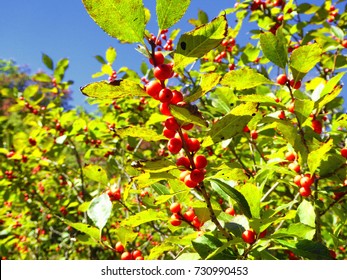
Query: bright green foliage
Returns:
{"type": "Point", "coordinates": [73, 183]}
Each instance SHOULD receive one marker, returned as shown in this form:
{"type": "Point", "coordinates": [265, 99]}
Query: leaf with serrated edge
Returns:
{"type": "Point", "coordinates": [121, 19]}
{"type": "Point", "coordinates": [85, 228]}
{"type": "Point", "coordinates": [208, 82]}
{"type": "Point", "coordinates": [244, 78]}
{"type": "Point", "coordinates": [118, 89]}
{"type": "Point", "coordinates": [186, 116]}
{"type": "Point", "coordinates": [194, 44]}
{"type": "Point", "coordinates": [139, 132]}
{"type": "Point", "coordinates": [170, 11]}
{"type": "Point", "coordinates": [100, 210]}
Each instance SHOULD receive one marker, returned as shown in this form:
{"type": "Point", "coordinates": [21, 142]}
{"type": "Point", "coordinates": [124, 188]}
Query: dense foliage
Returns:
{"type": "Point", "coordinates": [214, 149]}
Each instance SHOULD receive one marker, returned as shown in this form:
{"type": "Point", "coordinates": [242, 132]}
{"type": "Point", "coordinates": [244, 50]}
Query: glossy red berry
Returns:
{"type": "Point", "coordinates": [153, 88]}
{"type": "Point", "coordinates": [136, 253]}
{"type": "Point", "coordinates": [295, 84]}
{"type": "Point", "coordinates": [282, 79]}
{"type": "Point", "coordinates": [297, 180]}
{"type": "Point", "coordinates": [281, 115]}
{"type": "Point", "coordinates": [189, 182]}
{"type": "Point", "coordinates": [230, 211]}
{"type": "Point", "coordinates": [175, 220]}
{"type": "Point", "coordinates": [126, 256]}
{"type": "Point", "coordinates": [344, 43]}
{"type": "Point", "coordinates": [254, 134]}
{"type": "Point", "coordinates": [291, 156]}
{"type": "Point", "coordinates": [317, 126]}
{"type": "Point", "coordinates": [174, 145]}
{"type": "Point", "coordinates": [188, 126]}
{"type": "Point", "coordinates": [183, 162]}
{"type": "Point", "coordinates": [163, 72]}
{"type": "Point", "coordinates": [200, 161]}
{"type": "Point", "coordinates": [197, 175]}
{"type": "Point", "coordinates": [184, 174]}
{"type": "Point", "coordinates": [158, 57]}
{"type": "Point", "coordinates": [171, 124]}
{"type": "Point", "coordinates": [294, 166]}
{"type": "Point", "coordinates": [177, 96]}
{"type": "Point", "coordinates": [165, 95]}
{"type": "Point", "coordinates": [175, 207]}
{"type": "Point", "coordinates": [249, 236]}
{"type": "Point", "coordinates": [119, 247]}
{"type": "Point", "coordinates": [343, 152]}
{"type": "Point", "coordinates": [193, 144]}
{"type": "Point", "coordinates": [305, 191]}
{"type": "Point", "coordinates": [165, 109]}
{"type": "Point", "coordinates": [189, 215]}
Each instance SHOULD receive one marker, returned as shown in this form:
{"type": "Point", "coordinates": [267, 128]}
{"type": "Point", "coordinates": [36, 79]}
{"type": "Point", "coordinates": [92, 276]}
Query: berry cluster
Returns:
{"type": "Point", "coordinates": [189, 216]}
{"type": "Point", "coordinates": [114, 194]}
{"type": "Point", "coordinates": [125, 255]}
{"type": "Point", "coordinates": [333, 12]}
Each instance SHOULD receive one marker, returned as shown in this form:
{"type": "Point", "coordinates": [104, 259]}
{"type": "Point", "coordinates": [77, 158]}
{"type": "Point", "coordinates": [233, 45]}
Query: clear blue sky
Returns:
{"type": "Point", "coordinates": [62, 28]}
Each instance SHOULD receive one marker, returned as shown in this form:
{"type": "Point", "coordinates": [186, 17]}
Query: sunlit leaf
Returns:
{"type": "Point", "coordinates": [170, 11]}
{"type": "Point", "coordinates": [100, 210]}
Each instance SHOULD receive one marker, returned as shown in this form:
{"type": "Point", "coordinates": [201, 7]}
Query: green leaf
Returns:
{"type": "Point", "coordinates": [60, 69]}
{"type": "Point", "coordinates": [275, 47]}
{"type": "Point", "coordinates": [331, 84]}
{"type": "Point", "coordinates": [306, 213]}
{"type": "Point", "coordinates": [303, 59]}
{"type": "Point", "coordinates": [139, 132]}
{"type": "Point", "coordinates": [100, 210]}
{"type": "Point", "coordinates": [84, 206]}
{"type": "Point", "coordinates": [229, 174]}
{"type": "Point", "coordinates": [100, 59]}
{"type": "Point", "coordinates": [263, 99]}
{"type": "Point", "coordinates": [121, 19]}
{"type": "Point", "coordinates": [329, 97]}
{"type": "Point", "coordinates": [96, 173]}
{"type": "Point", "coordinates": [42, 77]}
{"type": "Point", "coordinates": [303, 109]}
{"type": "Point", "coordinates": [307, 249]}
{"type": "Point", "coordinates": [85, 228]}
{"type": "Point", "coordinates": [47, 61]}
{"type": "Point", "coordinates": [170, 11]}
{"type": "Point", "coordinates": [244, 78]}
{"type": "Point", "coordinates": [154, 165]}
{"type": "Point", "coordinates": [160, 189]}
{"type": "Point", "coordinates": [30, 91]}
{"type": "Point", "coordinates": [206, 244]}
{"type": "Point", "coordinates": [337, 32]}
{"type": "Point", "coordinates": [144, 217]}
{"type": "Point", "coordinates": [297, 230]}
{"type": "Point", "coordinates": [208, 82]}
{"type": "Point", "coordinates": [118, 89]}
{"type": "Point", "coordinates": [315, 157]}
{"type": "Point", "coordinates": [188, 114]}
{"type": "Point", "coordinates": [111, 55]}
{"type": "Point", "coordinates": [125, 234]}
{"type": "Point", "coordinates": [253, 195]}
{"type": "Point", "coordinates": [231, 124]}
{"type": "Point", "coordinates": [235, 195]}
{"type": "Point", "coordinates": [157, 251]}
{"type": "Point", "coordinates": [194, 44]}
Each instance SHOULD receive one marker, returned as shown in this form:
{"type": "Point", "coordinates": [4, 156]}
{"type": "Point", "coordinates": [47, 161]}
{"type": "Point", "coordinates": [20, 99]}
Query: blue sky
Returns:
{"type": "Point", "coordinates": [62, 28]}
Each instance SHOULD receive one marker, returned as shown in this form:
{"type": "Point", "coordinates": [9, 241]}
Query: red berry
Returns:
{"type": "Point", "coordinates": [165, 109]}
{"type": "Point", "coordinates": [171, 124]}
{"type": "Point", "coordinates": [189, 215]}
{"type": "Point", "coordinates": [196, 223]}
{"type": "Point", "coordinates": [126, 256]}
{"type": "Point", "coordinates": [200, 161]}
{"type": "Point", "coordinates": [189, 182]}
{"type": "Point", "coordinates": [305, 182]}
{"type": "Point", "coordinates": [119, 247]}
{"type": "Point", "coordinates": [175, 220]}
{"type": "Point", "coordinates": [163, 72]}
{"type": "Point", "coordinates": [254, 134]}
{"type": "Point", "coordinates": [297, 179]}
{"type": "Point", "coordinates": [136, 253]}
{"type": "Point", "coordinates": [230, 211]}
{"type": "Point", "coordinates": [153, 88]}
{"type": "Point", "coordinates": [165, 95]}
{"type": "Point", "coordinates": [282, 79]}
{"type": "Point", "coordinates": [344, 43]}
{"type": "Point", "coordinates": [175, 207]}
{"type": "Point", "coordinates": [197, 175]}
{"type": "Point", "coordinates": [158, 57]}
{"type": "Point", "coordinates": [139, 258]}
{"type": "Point", "coordinates": [177, 96]}
{"type": "Point", "coordinates": [317, 126]}
{"type": "Point", "coordinates": [193, 144]}
{"type": "Point", "coordinates": [291, 156]}
{"type": "Point", "coordinates": [174, 145]}
{"type": "Point", "coordinates": [344, 152]}
{"type": "Point", "coordinates": [291, 107]}
{"type": "Point", "coordinates": [295, 84]}
{"type": "Point", "coordinates": [305, 192]}
{"type": "Point", "coordinates": [282, 115]}
{"type": "Point", "coordinates": [294, 166]}
{"type": "Point", "coordinates": [169, 133]}
{"type": "Point", "coordinates": [246, 129]}
{"type": "Point", "coordinates": [188, 126]}
{"type": "Point", "coordinates": [249, 236]}
{"type": "Point", "coordinates": [184, 174]}
{"type": "Point", "coordinates": [183, 161]}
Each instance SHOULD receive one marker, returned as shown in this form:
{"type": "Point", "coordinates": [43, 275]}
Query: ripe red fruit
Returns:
{"type": "Point", "coordinates": [174, 145]}
{"type": "Point", "coordinates": [317, 126]}
{"type": "Point", "coordinates": [126, 256]}
{"type": "Point", "coordinates": [175, 220]}
{"type": "Point", "coordinates": [165, 95]}
{"type": "Point", "coordinates": [297, 180]}
{"type": "Point", "coordinates": [230, 211]}
{"type": "Point", "coordinates": [282, 115]}
{"type": "Point", "coordinates": [249, 236]}
{"type": "Point", "coordinates": [189, 182]}
{"type": "Point", "coordinates": [305, 182]}
{"type": "Point", "coordinates": [291, 107]}
{"type": "Point", "coordinates": [158, 57]}
{"type": "Point", "coordinates": [165, 109]}
{"type": "Point", "coordinates": [10, 154]}
{"type": "Point", "coordinates": [177, 96]}
{"type": "Point", "coordinates": [119, 247]}
{"type": "Point", "coordinates": [291, 156]}
{"type": "Point", "coordinates": [246, 129]}
{"type": "Point", "coordinates": [196, 222]}
{"type": "Point", "coordinates": [32, 141]}
{"type": "Point", "coordinates": [197, 175]}
{"type": "Point", "coordinates": [200, 161]}
{"type": "Point", "coordinates": [344, 43]}
{"type": "Point", "coordinates": [139, 258]}
{"type": "Point", "coordinates": [175, 207]}
{"type": "Point", "coordinates": [171, 123]}
{"type": "Point", "coordinates": [282, 79]}
{"type": "Point", "coordinates": [193, 144]}
{"type": "Point", "coordinates": [163, 72]}
{"type": "Point", "coordinates": [254, 134]}
{"type": "Point", "coordinates": [188, 126]}
{"type": "Point", "coordinates": [114, 195]}
{"type": "Point", "coordinates": [305, 192]}
{"type": "Point", "coordinates": [169, 133]}
{"type": "Point", "coordinates": [294, 166]}
{"type": "Point", "coordinates": [183, 161]}
{"type": "Point", "coordinates": [184, 174]}
{"type": "Point", "coordinates": [153, 88]}
{"type": "Point", "coordinates": [136, 253]}
{"type": "Point", "coordinates": [295, 84]}
{"type": "Point", "coordinates": [189, 215]}
{"type": "Point", "coordinates": [343, 152]}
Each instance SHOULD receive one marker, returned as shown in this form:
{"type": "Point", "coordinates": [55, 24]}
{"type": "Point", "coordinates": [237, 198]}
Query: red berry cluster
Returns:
{"type": "Point", "coordinates": [228, 45]}
{"type": "Point", "coordinates": [114, 194]}
{"type": "Point", "coordinates": [333, 12]}
{"type": "Point", "coordinates": [283, 80]}
{"type": "Point", "coordinates": [9, 174]}
{"type": "Point", "coordinates": [125, 255]}
{"type": "Point", "coordinates": [189, 216]}
{"type": "Point", "coordinates": [304, 182]}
